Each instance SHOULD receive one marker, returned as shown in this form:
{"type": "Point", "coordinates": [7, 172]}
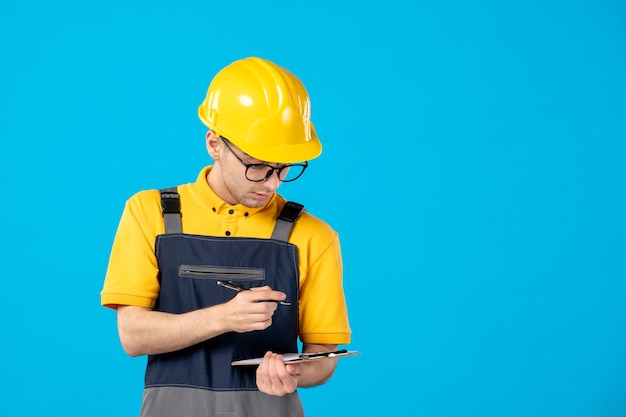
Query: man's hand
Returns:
{"type": "Point", "coordinates": [273, 377]}
{"type": "Point", "coordinates": [251, 310]}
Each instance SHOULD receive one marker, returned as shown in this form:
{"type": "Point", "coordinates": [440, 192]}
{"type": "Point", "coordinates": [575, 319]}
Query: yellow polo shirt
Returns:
{"type": "Point", "coordinates": [132, 274]}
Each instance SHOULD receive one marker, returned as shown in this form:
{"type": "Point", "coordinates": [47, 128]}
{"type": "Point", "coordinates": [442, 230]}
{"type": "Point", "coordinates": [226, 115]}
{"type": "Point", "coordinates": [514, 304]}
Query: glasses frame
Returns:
{"type": "Point", "coordinates": [270, 168]}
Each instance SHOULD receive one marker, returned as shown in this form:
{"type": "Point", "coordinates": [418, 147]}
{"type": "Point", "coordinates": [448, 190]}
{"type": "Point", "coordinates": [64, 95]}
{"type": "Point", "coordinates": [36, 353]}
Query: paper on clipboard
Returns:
{"type": "Point", "coordinates": [299, 357]}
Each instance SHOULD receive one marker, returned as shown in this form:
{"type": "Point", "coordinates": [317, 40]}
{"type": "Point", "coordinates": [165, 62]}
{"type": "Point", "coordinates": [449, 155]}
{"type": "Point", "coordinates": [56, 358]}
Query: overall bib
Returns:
{"type": "Point", "coordinates": [199, 380]}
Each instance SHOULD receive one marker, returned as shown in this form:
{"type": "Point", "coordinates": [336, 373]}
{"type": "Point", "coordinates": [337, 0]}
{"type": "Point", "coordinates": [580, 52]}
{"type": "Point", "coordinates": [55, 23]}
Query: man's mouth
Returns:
{"type": "Point", "coordinates": [261, 196]}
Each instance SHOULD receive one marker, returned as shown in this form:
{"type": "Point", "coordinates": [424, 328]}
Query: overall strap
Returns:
{"type": "Point", "coordinates": [170, 203]}
{"type": "Point", "coordinates": [287, 217]}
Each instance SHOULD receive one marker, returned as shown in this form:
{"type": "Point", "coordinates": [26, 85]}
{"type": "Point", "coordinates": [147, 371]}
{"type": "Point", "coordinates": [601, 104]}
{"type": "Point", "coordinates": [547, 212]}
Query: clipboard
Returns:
{"type": "Point", "coordinates": [300, 357]}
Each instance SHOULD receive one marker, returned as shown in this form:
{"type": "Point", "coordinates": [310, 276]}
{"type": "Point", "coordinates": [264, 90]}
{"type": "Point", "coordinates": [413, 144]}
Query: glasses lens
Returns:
{"type": "Point", "coordinates": [257, 172]}
{"type": "Point", "coordinates": [261, 172]}
{"type": "Point", "coordinates": [292, 172]}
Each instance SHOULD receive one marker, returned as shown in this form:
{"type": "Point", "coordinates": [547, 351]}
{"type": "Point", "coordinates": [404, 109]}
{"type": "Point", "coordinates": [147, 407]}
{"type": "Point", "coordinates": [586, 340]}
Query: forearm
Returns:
{"type": "Point", "coordinates": [146, 332]}
{"type": "Point", "coordinates": [316, 372]}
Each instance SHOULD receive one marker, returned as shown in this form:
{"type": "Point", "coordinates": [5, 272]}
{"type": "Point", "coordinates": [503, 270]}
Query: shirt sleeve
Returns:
{"type": "Point", "coordinates": [132, 273]}
{"type": "Point", "coordinates": [323, 309]}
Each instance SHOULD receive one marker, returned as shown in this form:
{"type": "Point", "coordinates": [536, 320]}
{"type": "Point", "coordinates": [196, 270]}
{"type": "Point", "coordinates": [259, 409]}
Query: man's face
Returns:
{"type": "Point", "coordinates": [240, 190]}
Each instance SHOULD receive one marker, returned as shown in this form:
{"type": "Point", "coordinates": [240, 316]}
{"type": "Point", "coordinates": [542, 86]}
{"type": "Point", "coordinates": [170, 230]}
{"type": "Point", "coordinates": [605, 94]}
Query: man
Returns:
{"type": "Point", "coordinates": [175, 249]}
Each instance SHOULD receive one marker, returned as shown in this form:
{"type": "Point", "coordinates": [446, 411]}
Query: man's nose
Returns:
{"type": "Point", "coordinates": [273, 181]}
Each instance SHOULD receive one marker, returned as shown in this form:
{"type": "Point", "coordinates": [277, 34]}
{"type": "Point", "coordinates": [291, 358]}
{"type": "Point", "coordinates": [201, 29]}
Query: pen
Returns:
{"type": "Point", "coordinates": [235, 286]}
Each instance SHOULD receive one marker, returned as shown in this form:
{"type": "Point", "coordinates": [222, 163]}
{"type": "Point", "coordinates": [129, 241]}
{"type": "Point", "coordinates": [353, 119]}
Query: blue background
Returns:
{"type": "Point", "coordinates": [473, 165]}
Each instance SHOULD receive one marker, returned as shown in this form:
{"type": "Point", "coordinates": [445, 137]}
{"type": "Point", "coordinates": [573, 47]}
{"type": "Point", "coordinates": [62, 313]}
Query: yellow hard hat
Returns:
{"type": "Point", "coordinates": [263, 109]}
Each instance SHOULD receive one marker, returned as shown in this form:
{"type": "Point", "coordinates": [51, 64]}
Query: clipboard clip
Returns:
{"type": "Point", "coordinates": [306, 356]}
{"type": "Point", "coordinates": [299, 357]}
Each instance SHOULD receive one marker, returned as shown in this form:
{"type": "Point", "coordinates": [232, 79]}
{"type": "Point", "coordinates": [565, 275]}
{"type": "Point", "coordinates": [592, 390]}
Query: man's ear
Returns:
{"type": "Point", "coordinates": [213, 145]}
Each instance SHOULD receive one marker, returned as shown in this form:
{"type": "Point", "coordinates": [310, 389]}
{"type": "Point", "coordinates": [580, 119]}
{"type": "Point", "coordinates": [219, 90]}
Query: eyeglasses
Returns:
{"type": "Point", "coordinates": [261, 172]}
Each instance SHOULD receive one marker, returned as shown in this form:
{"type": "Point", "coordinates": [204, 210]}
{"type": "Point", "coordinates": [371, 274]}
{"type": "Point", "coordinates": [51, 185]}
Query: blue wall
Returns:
{"type": "Point", "coordinates": [473, 165]}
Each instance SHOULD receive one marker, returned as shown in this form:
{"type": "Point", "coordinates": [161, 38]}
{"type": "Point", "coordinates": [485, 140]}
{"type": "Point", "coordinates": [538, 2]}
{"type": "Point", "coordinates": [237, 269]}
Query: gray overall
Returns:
{"type": "Point", "coordinates": [199, 381]}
